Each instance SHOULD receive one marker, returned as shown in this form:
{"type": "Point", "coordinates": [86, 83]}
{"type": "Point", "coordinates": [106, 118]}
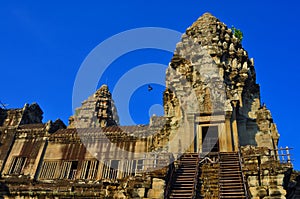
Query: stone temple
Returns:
{"type": "Point", "coordinates": [215, 140]}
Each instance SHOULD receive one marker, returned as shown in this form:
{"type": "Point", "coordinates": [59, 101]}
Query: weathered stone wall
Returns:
{"type": "Point", "coordinates": [139, 187]}
{"type": "Point", "coordinates": [10, 120]}
{"type": "Point", "coordinates": [264, 173]}
{"type": "Point", "coordinates": [29, 144]}
{"type": "Point", "coordinates": [7, 137]}
{"type": "Point", "coordinates": [210, 180]}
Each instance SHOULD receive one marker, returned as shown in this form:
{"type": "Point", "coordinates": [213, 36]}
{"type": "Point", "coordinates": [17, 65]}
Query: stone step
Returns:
{"type": "Point", "coordinates": [180, 191]}
{"type": "Point", "coordinates": [185, 174]}
{"type": "Point", "coordinates": [184, 179]}
{"type": "Point", "coordinates": [183, 185]}
{"type": "Point", "coordinates": [230, 179]}
{"type": "Point", "coordinates": [181, 196]}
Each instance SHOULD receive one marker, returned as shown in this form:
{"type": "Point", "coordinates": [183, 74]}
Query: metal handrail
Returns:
{"type": "Point", "coordinates": [168, 187]}
{"type": "Point", "coordinates": [219, 192]}
{"type": "Point", "coordinates": [243, 177]}
{"type": "Point", "coordinates": [274, 153]}
{"type": "Point", "coordinates": [196, 176]}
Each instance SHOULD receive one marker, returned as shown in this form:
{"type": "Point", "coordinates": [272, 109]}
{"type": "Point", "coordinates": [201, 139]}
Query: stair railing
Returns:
{"type": "Point", "coordinates": [219, 173]}
{"type": "Point", "coordinates": [243, 177]}
{"type": "Point", "coordinates": [169, 183]}
{"type": "Point", "coordinates": [196, 177]}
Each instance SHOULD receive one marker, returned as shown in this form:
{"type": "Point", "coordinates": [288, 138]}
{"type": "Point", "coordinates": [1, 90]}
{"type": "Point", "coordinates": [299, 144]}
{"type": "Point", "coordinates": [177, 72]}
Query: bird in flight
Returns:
{"type": "Point", "coordinates": [150, 88]}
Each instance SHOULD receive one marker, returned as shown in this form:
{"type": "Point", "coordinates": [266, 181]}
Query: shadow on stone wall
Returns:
{"type": "Point", "coordinates": [4, 190]}
{"type": "Point", "coordinates": [291, 184]}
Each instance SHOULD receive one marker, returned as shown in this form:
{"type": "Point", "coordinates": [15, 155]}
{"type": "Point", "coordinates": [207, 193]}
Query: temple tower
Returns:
{"type": "Point", "coordinates": [97, 111]}
{"type": "Point", "coordinates": [212, 94]}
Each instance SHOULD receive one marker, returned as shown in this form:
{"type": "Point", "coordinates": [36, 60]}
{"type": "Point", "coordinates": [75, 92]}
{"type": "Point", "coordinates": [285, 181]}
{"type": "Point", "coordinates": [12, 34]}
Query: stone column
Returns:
{"type": "Point", "coordinates": [228, 131]}
{"type": "Point", "coordinates": [234, 127]}
{"type": "Point", "coordinates": [223, 142]}
{"type": "Point", "coordinates": [192, 134]}
{"type": "Point", "coordinates": [35, 171]}
{"type": "Point", "coordinates": [199, 138]}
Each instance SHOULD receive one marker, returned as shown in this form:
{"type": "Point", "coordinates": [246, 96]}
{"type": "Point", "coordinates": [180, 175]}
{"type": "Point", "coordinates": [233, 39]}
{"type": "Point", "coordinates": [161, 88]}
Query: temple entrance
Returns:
{"type": "Point", "coordinates": [207, 139]}
{"type": "Point", "coordinates": [210, 139]}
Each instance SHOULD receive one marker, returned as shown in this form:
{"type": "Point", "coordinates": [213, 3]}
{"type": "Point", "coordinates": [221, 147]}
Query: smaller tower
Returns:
{"type": "Point", "coordinates": [97, 111]}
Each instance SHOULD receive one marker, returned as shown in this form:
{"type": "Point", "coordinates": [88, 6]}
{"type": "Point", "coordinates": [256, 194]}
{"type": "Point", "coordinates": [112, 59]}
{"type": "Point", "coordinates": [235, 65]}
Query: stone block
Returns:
{"type": "Point", "coordinates": [258, 192]}
{"type": "Point", "coordinates": [158, 187]}
{"type": "Point", "coordinates": [158, 184]}
{"type": "Point", "coordinates": [119, 195]}
{"type": "Point", "coordinates": [253, 181]}
{"type": "Point", "coordinates": [277, 191]}
{"type": "Point", "coordinates": [265, 181]}
{"type": "Point", "coordinates": [158, 194]}
{"type": "Point", "coordinates": [141, 192]}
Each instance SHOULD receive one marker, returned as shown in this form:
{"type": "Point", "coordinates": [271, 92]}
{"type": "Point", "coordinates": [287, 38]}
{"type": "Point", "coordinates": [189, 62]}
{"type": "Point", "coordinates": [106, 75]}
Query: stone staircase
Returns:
{"type": "Point", "coordinates": [183, 185]}
{"type": "Point", "coordinates": [230, 176]}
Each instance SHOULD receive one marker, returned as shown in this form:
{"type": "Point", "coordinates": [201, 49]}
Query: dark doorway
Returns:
{"type": "Point", "coordinates": [210, 139]}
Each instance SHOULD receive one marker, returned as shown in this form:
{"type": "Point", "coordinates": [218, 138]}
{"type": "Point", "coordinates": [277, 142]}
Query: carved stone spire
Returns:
{"type": "Point", "coordinates": [211, 66]}
{"type": "Point", "coordinates": [105, 109]}
{"type": "Point", "coordinates": [97, 111]}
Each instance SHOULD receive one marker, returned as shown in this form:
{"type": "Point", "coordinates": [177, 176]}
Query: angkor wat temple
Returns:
{"type": "Point", "coordinates": [215, 140]}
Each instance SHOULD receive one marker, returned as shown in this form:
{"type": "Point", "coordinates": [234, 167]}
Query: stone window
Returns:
{"type": "Point", "coordinates": [68, 170]}
{"type": "Point", "coordinates": [113, 173]}
{"type": "Point", "coordinates": [110, 170]}
{"type": "Point", "coordinates": [105, 170]}
{"type": "Point", "coordinates": [133, 167]}
{"type": "Point", "coordinates": [136, 166]}
{"type": "Point", "coordinates": [126, 168]}
{"type": "Point", "coordinates": [89, 169]}
{"type": "Point", "coordinates": [140, 164]}
{"type": "Point", "coordinates": [48, 170]}
{"type": "Point", "coordinates": [17, 165]}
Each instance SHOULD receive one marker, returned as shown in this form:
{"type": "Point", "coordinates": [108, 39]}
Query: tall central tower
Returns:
{"type": "Point", "coordinates": [212, 99]}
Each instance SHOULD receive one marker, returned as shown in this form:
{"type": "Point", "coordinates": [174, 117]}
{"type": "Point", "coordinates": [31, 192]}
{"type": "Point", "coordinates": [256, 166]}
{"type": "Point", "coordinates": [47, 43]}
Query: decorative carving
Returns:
{"type": "Point", "coordinates": [97, 111]}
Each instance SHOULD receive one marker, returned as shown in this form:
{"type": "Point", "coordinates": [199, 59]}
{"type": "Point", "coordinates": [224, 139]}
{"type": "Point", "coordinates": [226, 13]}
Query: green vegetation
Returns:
{"type": "Point", "coordinates": [237, 33]}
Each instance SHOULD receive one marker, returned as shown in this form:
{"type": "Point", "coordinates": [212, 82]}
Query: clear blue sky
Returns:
{"type": "Point", "coordinates": [43, 44]}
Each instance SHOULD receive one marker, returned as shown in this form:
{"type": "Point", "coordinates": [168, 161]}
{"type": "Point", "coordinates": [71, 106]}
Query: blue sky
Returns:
{"type": "Point", "coordinates": [43, 45]}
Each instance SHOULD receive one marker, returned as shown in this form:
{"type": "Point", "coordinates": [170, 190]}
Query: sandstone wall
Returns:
{"type": "Point", "coordinates": [264, 173]}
